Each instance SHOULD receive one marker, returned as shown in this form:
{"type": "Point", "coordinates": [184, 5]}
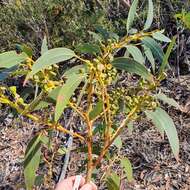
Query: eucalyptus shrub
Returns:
{"type": "Point", "coordinates": [99, 101]}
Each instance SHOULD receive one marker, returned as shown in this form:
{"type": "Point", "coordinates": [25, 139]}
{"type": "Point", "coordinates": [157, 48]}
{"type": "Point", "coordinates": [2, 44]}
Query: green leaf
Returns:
{"type": "Point", "coordinates": [11, 58]}
{"type": "Point", "coordinates": [118, 142]}
{"type": "Point", "coordinates": [103, 32]}
{"type": "Point", "coordinates": [65, 94]}
{"type": "Point", "coordinates": [150, 15]}
{"type": "Point", "coordinates": [184, 17]}
{"type": "Point", "coordinates": [99, 128]}
{"type": "Point", "coordinates": [45, 140]}
{"type": "Point", "coordinates": [128, 169]}
{"type": "Point", "coordinates": [113, 182]}
{"type": "Point", "coordinates": [178, 15]}
{"type": "Point", "coordinates": [78, 69]}
{"type": "Point", "coordinates": [54, 94]}
{"type": "Point", "coordinates": [95, 36]}
{"type": "Point", "coordinates": [88, 48]}
{"type": "Point", "coordinates": [39, 180]}
{"type": "Point", "coordinates": [5, 73]}
{"type": "Point", "coordinates": [161, 37]}
{"type": "Point", "coordinates": [186, 20]}
{"type": "Point", "coordinates": [32, 161]}
{"type": "Point", "coordinates": [31, 145]}
{"type": "Point", "coordinates": [167, 55]}
{"type": "Point", "coordinates": [44, 47]}
{"type": "Point", "coordinates": [136, 53]}
{"type": "Point", "coordinates": [62, 151]}
{"type": "Point", "coordinates": [132, 66]}
{"type": "Point", "coordinates": [131, 14]}
{"type": "Point", "coordinates": [167, 100]}
{"type": "Point", "coordinates": [49, 58]}
{"type": "Point", "coordinates": [26, 49]}
{"type": "Point", "coordinates": [150, 57]}
{"type": "Point", "coordinates": [154, 47]}
{"type": "Point", "coordinates": [23, 48]}
{"type": "Point", "coordinates": [41, 105]}
{"type": "Point", "coordinates": [98, 108]}
{"type": "Point", "coordinates": [133, 31]}
{"type": "Point", "coordinates": [164, 122]}
{"type": "Point", "coordinates": [35, 102]}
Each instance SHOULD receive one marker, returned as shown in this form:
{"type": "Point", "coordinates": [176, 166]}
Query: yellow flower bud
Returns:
{"type": "Point", "coordinates": [109, 66]}
{"type": "Point", "coordinates": [13, 90]}
{"type": "Point", "coordinates": [4, 100]}
{"type": "Point", "coordinates": [100, 67]}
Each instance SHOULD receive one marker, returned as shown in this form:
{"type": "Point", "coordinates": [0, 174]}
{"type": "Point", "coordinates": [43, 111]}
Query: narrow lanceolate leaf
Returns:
{"type": "Point", "coordinates": [113, 182]}
{"type": "Point", "coordinates": [167, 55]}
{"type": "Point", "coordinates": [136, 53]}
{"type": "Point", "coordinates": [88, 48]}
{"type": "Point", "coordinates": [40, 102]}
{"type": "Point", "coordinates": [150, 57]}
{"type": "Point", "coordinates": [26, 49]}
{"type": "Point", "coordinates": [162, 120]}
{"type": "Point", "coordinates": [128, 169]}
{"type": "Point", "coordinates": [95, 36]}
{"type": "Point", "coordinates": [11, 58]}
{"type": "Point", "coordinates": [96, 110]}
{"type": "Point", "coordinates": [5, 73]}
{"type": "Point", "coordinates": [132, 66]}
{"type": "Point", "coordinates": [44, 47]}
{"type": "Point", "coordinates": [150, 15]}
{"type": "Point", "coordinates": [42, 105]}
{"type": "Point", "coordinates": [49, 58]}
{"type": "Point", "coordinates": [65, 94]}
{"type": "Point", "coordinates": [78, 69]}
{"type": "Point", "coordinates": [167, 100]}
{"type": "Point", "coordinates": [154, 47]}
{"type": "Point", "coordinates": [54, 94]}
{"type": "Point", "coordinates": [32, 161]}
{"type": "Point", "coordinates": [131, 14]}
{"type": "Point", "coordinates": [161, 37]}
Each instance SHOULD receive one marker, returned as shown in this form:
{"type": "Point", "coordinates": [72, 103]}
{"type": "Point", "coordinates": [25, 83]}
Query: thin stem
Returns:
{"type": "Point", "coordinates": [127, 39]}
{"type": "Point", "coordinates": [98, 76]}
{"type": "Point", "coordinates": [34, 103]}
{"type": "Point", "coordinates": [75, 108]}
{"type": "Point", "coordinates": [89, 128]}
{"type": "Point", "coordinates": [83, 60]}
{"type": "Point", "coordinates": [100, 115]}
{"type": "Point", "coordinates": [89, 145]}
{"type": "Point", "coordinates": [116, 134]}
{"type": "Point", "coordinates": [110, 165]}
{"type": "Point", "coordinates": [20, 111]}
{"type": "Point", "coordinates": [108, 127]}
{"type": "Point", "coordinates": [62, 129]}
{"type": "Point", "coordinates": [90, 92]}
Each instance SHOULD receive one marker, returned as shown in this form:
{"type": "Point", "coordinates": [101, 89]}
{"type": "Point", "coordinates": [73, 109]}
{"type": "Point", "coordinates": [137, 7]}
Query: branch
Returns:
{"type": "Point", "coordinates": [116, 134]}
{"type": "Point", "coordinates": [75, 108]}
{"type": "Point", "coordinates": [62, 129]}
